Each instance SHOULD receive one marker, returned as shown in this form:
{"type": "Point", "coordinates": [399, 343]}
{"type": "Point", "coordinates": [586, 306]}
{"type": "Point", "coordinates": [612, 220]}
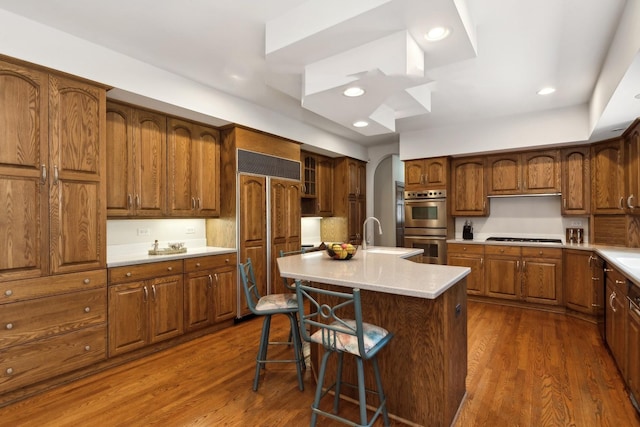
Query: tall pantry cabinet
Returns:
{"type": "Point", "coordinates": [52, 225]}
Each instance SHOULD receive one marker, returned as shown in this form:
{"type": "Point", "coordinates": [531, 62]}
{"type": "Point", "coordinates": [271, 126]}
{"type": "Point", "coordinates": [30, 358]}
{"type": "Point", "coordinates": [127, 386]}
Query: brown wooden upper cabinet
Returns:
{"type": "Point", "coordinates": [607, 182]}
{"type": "Point", "coordinates": [576, 176]}
{"type": "Point", "coordinates": [52, 174]}
{"type": "Point", "coordinates": [423, 174]}
{"type": "Point", "coordinates": [535, 172]}
{"type": "Point", "coordinates": [317, 189]}
{"type": "Point", "coordinates": [632, 168]}
{"type": "Point", "coordinates": [350, 195]}
{"type": "Point", "coordinates": [469, 196]}
{"type": "Point", "coordinates": [193, 169]}
{"type": "Point", "coordinates": [136, 162]}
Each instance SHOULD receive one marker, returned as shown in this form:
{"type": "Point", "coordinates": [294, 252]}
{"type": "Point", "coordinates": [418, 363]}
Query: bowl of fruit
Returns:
{"type": "Point", "coordinates": [341, 251]}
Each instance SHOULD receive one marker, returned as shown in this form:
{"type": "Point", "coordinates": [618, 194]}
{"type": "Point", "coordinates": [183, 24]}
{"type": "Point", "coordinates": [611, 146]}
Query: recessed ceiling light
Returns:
{"type": "Point", "coordinates": [546, 90]}
{"type": "Point", "coordinates": [437, 33]}
{"type": "Point", "coordinates": [353, 91]}
{"type": "Point", "coordinates": [360, 124]}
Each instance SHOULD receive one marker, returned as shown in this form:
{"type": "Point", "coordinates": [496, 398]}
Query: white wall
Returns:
{"type": "Point", "coordinates": [536, 216]}
{"type": "Point", "coordinates": [139, 234]}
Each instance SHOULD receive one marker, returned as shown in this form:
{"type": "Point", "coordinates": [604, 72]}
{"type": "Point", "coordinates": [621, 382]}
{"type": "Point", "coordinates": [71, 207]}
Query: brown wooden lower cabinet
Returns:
{"type": "Point", "coordinates": [616, 317]}
{"type": "Point", "coordinates": [633, 352]}
{"type": "Point", "coordinates": [51, 326]}
{"type": "Point", "coordinates": [524, 274]}
{"type": "Point", "coordinates": [471, 256]}
{"type": "Point", "coordinates": [210, 290]}
{"type": "Point", "coordinates": [147, 309]}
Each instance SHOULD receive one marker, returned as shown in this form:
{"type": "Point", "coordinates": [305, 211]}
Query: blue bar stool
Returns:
{"type": "Point", "coordinates": [291, 285]}
{"type": "Point", "coordinates": [339, 335]}
{"type": "Point", "coordinates": [267, 306]}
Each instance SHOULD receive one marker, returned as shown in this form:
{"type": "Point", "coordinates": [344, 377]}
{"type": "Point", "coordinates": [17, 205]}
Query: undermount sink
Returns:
{"type": "Point", "coordinates": [629, 262]}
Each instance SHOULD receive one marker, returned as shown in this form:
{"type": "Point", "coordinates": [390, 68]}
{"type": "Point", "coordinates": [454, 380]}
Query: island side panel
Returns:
{"type": "Point", "coordinates": [417, 364]}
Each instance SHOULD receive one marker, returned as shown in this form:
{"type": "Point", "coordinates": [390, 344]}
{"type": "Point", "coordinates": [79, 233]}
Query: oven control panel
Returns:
{"type": "Point", "coordinates": [425, 194]}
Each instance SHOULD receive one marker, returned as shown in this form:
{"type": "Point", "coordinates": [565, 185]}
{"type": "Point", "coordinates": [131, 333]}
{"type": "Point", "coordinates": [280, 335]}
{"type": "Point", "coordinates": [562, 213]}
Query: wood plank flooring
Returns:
{"type": "Point", "coordinates": [526, 368]}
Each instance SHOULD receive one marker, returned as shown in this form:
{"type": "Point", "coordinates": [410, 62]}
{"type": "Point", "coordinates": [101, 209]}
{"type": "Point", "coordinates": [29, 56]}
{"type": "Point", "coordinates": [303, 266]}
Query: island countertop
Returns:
{"type": "Point", "coordinates": [380, 269]}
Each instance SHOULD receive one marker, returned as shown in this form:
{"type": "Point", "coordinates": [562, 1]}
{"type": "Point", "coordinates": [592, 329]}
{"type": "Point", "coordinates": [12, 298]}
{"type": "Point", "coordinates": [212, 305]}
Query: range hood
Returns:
{"type": "Point", "coordinates": [496, 196]}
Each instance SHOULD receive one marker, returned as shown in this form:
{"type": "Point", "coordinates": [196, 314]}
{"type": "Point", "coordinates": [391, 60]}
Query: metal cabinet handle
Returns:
{"type": "Point", "coordinates": [128, 274]}
{"type": "Point", "coordinates": [9, 371]}
{"type": "Point", "coordinates": [86, 281]}
{"type": "Point", "coordinates": [87, 348]}
{"type": "Point", "coordinates": [56, 175]}
{"type": "Point", "coordinates": [87, 309]}
{"type": "Point", "coordinates": [169, 268]}
{"type": "Point", "coordinates": [590, 260]}
{"type": "Point", "coordinates": [197, 264]}
{"type": "Point", "coordinates": [608, 270]}
{"type": "Point", "coordinates": [193, 203]}
{"type": "Point", "coordinates": [217, 279]}
{"type": "Point", "coordinates": [43, 175]}
{"type": "Point", "coordinates": [138, 201]}
{"type": "Point", "coordinates": [621, 204]}
{"type": "Point", "coordinates": [129, 200]}
{"type": "Point", "coordinates": [8, 292]}
{"type": "Point", "coordinates": [146, 294]}
{"type": "Point", "coordinates": [620, 282]}
{"type": "Point", "coordinates": [9, 326]}
{"type": "Point", "coordinates": [629, 201]}
{"type": "Point", "coordinates": [482, 261]}
{"type": "Point", "coordinates": [611, 298]}
{"type": "Point", "coordinates": [153, 289]}
{"type": "Point", "coordinates": [564, 202]}
{"type": "Point", "coordinates": [524, 265]}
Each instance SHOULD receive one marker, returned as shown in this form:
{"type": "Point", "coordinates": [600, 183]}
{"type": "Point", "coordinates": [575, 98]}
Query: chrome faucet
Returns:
{"type": "Point", "coordinates": [364, 231]}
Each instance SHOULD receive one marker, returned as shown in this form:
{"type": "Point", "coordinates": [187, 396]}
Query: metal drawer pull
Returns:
{"type": "Point", "coordinates": [86, 281]}
{"type": "Point", "coordinates": [87, 348]}
{"type": "Point", "coordinates": [197, 264]}
{"type": "Point", "coordinates": [8, 292]}
{"type": "Point", "coordinates": [128, 274]}
{"type": "Point", "coordinates": [56, 175]}
{"type": "Point", "coordinates": [620, 282]}
{"type": "Point", "coordinates": [129, 201]}
{"type": "Point", "coordinates": [611, 298]}
{"type": "Point", "coordinates": [170, 268]}
{"type": "Point", "coordinates": [44, 174]}
{"type": "Point", "coordinates": [87, 309]}
{"type": "Point", "coordinates": [9, 326]}
{"type": "Point", "coordinates": [9, 371]}
{"type": "Point", "coordinates": [608, 270]}
{"type": "Point", "coordinates": [153, 289]}
{"type": "Point", "coordinates": [146, 294]}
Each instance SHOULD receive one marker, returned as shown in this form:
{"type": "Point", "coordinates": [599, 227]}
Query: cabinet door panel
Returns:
{"type": "Point", "coordinates": [633, 352]}
{"type": "Point", "coordinates": [576, 174]}
{"type": "Point", "coordinates": [540, 279]}
{"type": "Point", "coordinates": [578, 283]}
{"type": "Point", "coordinates": [180, 142]}
{"type": "Point", "coordinates": [607, 183]}
{"type": "Point", "coordinates": [78, 212]}
{"type": "Point", "coordinates": [503, 277]}
{"type": "Point", "coordinates": [541, 172]}
{"type": "Point", "coordinates": [128, 317]}
{"type": "Point", "coordinates": [207, 187]}
{"type": "Point", "coordinates": [75, 233]}
{"type": "Point", "coordinates": [632, 170]}
{"type": "Point", "coordinates": [469, 187]}
{"type": "Point", "coordinates": [120, 189]}
{"type": "Point", "coordinates": [504, 174]}
{"type": "Point", "coordinates": [198, 290]}
{"type": "Point", "coordinates": [24, 168]}
{"type": "Point", "coordinates": [225, 294]}
{"type": "Point", "coordinates": [150, 163]}
{"type": "Point", "coordinates": [475, 279]}
{"type": "Point", "coordinates": [166, 308]}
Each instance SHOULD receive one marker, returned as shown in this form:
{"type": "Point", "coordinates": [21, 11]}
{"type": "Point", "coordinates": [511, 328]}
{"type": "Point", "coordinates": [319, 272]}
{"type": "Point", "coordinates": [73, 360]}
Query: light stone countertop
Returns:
{"type": "Point", "coordinates": [379, 269]}
{"type": "Point", "coordinates": [122, 257]}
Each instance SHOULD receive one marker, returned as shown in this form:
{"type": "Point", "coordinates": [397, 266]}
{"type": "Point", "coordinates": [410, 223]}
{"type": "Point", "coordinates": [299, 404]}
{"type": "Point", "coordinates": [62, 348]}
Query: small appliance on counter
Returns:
{"type": "Point", "coordinates": [467, 230]}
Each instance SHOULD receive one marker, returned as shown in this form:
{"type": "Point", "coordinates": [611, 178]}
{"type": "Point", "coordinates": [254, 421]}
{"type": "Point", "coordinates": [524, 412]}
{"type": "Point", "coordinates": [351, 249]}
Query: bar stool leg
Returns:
{"type": "Point", "coordinates": [316, 400]}
{"type": "Point", "coordinates": [297, 348]}
{"type": "Point", "coordinates": [262, 350]}
{"type": "Point", "coordinates": [381, 396]}
{"type": "Point", "coordinates": [362, 397]}
{"type": "Point", "coordinates": [336, 398]}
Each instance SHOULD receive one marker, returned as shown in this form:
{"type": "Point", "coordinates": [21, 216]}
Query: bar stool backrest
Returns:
{"type": "Point", "coordinates": [249, 284]}
{"type": "Point", "coordinates": [336, 321]}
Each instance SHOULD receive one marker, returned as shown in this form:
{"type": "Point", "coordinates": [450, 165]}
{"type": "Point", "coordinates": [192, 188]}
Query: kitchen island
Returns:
{"type": "Point", "coordinates": [424, 367]}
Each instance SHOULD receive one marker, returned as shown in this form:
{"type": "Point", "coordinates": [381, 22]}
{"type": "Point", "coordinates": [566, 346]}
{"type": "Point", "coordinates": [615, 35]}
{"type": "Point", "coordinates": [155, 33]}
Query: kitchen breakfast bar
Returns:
{"type": "Point", "coordinates": [424, 367]}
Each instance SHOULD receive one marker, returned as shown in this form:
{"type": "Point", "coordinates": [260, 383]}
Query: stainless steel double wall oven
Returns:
{"type": "Point", "coordinates": [425, 224]}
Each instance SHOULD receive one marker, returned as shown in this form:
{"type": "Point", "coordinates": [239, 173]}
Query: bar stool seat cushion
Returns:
{"type": "Point", "coordinates": [277, 302]}
{"type": "Point", "coordinates": [347, 342]}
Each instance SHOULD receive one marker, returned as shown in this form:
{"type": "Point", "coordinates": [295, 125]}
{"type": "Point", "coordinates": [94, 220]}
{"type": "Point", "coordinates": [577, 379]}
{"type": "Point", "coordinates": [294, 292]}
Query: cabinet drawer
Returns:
{"type": "Point", "coordinates": [29, 363]}
{"type": "Point", "coordinates": [538, 252]}
{"type": "Point", "coordinates": [618, 280]}
{"type": "Point", "coordinates": [209, 262]}
{"type": "Point", "coordinates": [151, 270]}
{"type": "Point", "coordinates": [502, 250]}
{"type": "Point", "coordinates": [460, 248]}
{"type": "Point", "coordinates": [39, 318]}
{"type": "Point", "coordinates": [19, 290]}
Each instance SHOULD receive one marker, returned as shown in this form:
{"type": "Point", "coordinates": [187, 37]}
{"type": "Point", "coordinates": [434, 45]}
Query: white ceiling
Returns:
{"type": "Point", "coordinates": [295, 56]}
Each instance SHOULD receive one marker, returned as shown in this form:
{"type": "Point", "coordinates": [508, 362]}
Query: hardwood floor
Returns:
{"type": "Point", "coordinates": [526, 368]}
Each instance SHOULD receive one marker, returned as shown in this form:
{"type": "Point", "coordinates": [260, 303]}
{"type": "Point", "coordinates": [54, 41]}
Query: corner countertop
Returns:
{"type": "Point", "coordinates": [379, 269]}
{"type": "Point", "coordinates": [123, 256]}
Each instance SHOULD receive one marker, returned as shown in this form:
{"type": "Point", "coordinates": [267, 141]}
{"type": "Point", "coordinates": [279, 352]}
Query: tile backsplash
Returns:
{"type": "Point", "coordinates": [141, 233]}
